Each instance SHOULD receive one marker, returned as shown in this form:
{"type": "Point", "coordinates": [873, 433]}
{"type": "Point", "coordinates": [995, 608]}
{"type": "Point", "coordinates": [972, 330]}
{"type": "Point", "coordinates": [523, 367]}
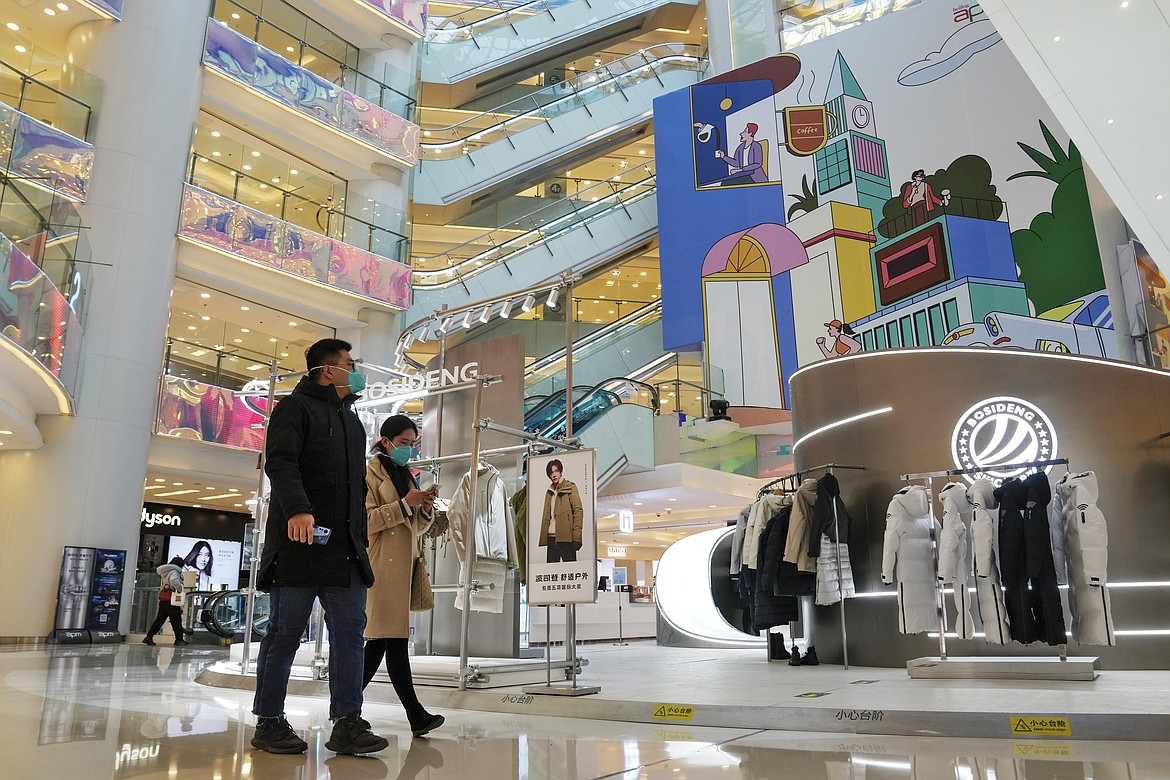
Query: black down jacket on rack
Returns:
{"type": "Point", "coordinates": [1027, 567]}
{"type": "Point", "coordinates": [823, 520]}
{"type": "Point", "coordinates": [771, 609]}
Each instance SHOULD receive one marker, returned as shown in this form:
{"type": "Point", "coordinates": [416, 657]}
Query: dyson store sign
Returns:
{"type": "Point", "coordinates": [1002, 430]}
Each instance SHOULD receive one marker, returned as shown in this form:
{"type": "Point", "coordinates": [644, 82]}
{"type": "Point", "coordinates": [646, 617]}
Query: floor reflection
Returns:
{"type": "Point", "coordinates": [135, 712]}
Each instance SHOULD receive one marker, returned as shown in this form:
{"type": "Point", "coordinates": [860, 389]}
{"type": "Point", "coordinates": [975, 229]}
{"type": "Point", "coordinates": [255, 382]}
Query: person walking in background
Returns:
{"type": "Point", "coordinates": [315, 458]}
{"type": "Point", "coordinates": [563, 518]}
{"type": "Point", "coordinates": [396, 512]}
{"type": "Point", "coordinates": [172, 582]}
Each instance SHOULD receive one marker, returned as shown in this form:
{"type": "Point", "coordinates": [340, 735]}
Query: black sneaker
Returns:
{"type": "Point", "coordinates": [427, 725]}
{"type": "Point", "coordinates": [352, 736]}
{"type": "Point", "coordinates": [795, 659]}
{"type": "Point", "coordinates": [810, 657]}
{"type": "Point", "coordinates": [148, 641]}
{"type": "Point", "coordinates": [181, 641]}
{"type": "Point", "coordinates": [274, 735]}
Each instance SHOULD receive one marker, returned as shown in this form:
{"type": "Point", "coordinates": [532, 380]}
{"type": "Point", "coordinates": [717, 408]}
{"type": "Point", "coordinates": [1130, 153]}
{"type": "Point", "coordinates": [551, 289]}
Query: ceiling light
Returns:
{"type": "Point", "coordinates": [273, 340]}
{"type": "Point", "coordinates": [205, 318]}
{"type": "Point", "coordinates": [247, 167]}
{"type": "Point", "coordinates": [204, 295]}
{"type": "Point", "coordinates": [1056, 39]}
{"type": "Point", "coordinates": [424, 333]}
{"type": "Point", "coordinates": [552, 297]}
{"type": "Point", "coordinates": [5, 433]}
{"type": "Point", "coordinates": [672, 499]}
{"type": "Point", "coordinates": [276, 180]}
{"type": "Point", "coordinates": [637, 503]}
{"type": "Point", "coordinates": [467, 320]}
{"type": "Point", "coordinates": [215, 134]}
{"type": "Point", "coordinates": [529, 302]}
{"type": "Point", "coordinates": [292, 324]}
{"type": "Point", "coordinates": [641, 151]}
{"type": "Point", "coordinates": [235, 16]}
{"type": "Point", "coordinates": [244, 330]}
{"type": "Point", "coordinates": [288, 48]}
{"type": "Point", "coordinates": [255, 154]}
{"type": "Point", "coordinates": [293, 172]}
{"type": "Point", "coordinates": [190, 327]}
{"type": "Point", "coordinates": [62, 7]}
{"type": "Point", "coordinates": [21, 49]}
{"type": "Point", "coordinates": [13, 26]}
{"type": "Point", "coordinates": [245, 308]}
{"type": "Point", "coordinates": [408, 340]}
{"type": "Point", "coordinates": [506, 309]}
{"type": "Point", "coordinates": [446, 326]}
{"type": "Point", "coordinates": [215, 154]}
{"type": "Point", "coordinates": [50, 12]}
{"type": "Point", "coordinates": [238, 341]}
{"type": "Point", "coordinates": [159, 479]}
{"type": "Point", "coordinates": [486, 314]}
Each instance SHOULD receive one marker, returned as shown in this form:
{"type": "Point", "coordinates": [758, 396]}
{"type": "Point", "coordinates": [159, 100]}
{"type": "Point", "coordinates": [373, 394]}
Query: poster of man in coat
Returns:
{"type": "Point", "coordinates": [562, 528]}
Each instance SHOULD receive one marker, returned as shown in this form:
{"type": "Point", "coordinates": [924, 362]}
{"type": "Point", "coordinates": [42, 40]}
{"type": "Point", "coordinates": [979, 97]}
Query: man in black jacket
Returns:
{"type": "Point", "coordinates": [316, 549]}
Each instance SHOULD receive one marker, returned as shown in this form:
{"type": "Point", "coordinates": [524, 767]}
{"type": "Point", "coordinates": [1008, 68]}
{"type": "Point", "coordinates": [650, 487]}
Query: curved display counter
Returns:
{"type": "Point", "coordinates": [897, 411]}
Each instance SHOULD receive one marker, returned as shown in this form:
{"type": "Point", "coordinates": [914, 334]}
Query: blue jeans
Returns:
{"type": "Point", "coordinates": [289, 611]}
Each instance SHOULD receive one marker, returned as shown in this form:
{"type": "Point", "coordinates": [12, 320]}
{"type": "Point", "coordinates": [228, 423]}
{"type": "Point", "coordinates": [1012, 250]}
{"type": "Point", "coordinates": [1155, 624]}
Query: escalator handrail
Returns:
{"type": "Point", "coordinates": [600, 387]}
{"type": "Point", "coordinates": [650, 311]}
{"type": "Point", "coordinates": [543, 233]}
{"type": "Point", "coordinates": [433, 30]}
{"type": "Point", "coordinates": [207, 613]}
{"type": "Point", "coordinates": [555, 396]}
{"type": "Point", "coordinates": [650, 57]}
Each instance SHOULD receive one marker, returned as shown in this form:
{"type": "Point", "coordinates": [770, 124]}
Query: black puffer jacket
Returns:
{"type": "Point", "coordinates": [823, 520]}
{"type": "Point", "coordinates": [315, 458]}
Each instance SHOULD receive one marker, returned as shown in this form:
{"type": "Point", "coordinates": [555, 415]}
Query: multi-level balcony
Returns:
{"type": "Point", "coordinates": [369, 23]}
{"type": "Point", "coordinates": [316, 105]}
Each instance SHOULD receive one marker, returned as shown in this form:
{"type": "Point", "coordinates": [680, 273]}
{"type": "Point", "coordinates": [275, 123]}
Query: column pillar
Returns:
{"type": "Point", "coordinates": [84, 486]}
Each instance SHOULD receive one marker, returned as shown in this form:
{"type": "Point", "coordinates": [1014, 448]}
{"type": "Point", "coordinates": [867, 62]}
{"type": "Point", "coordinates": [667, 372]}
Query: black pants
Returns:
{"type": "Point", "coordinates": [561, 551]}
{"type": "Point", "coordinates": [167, 610]}
{"type": "Point", "coordinates": [398, 667]}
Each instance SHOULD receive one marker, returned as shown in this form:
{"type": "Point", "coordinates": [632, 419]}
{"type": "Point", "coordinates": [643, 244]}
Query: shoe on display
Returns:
{"type": "Point", "coordinates": [148, 641]}
{"type": "Point", "coordinates": [795, 659]}
{"type": "Point", "coordinates": [352, 736]}
{"type": "Point", "coordinates": [428, 724]}
{"type": "Point", "coordinates": [810, 657]}
{"type": "Point", "coordinates": [776, 649]}
{"type": "Point", "coordinates": [275, 735]}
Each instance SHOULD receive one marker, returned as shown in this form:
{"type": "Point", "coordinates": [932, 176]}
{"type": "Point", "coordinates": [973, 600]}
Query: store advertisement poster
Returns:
{"type": "Point", "coordinates": [217, 562]}
{"type": "Point", "coordinates": [105, 600]}
{"type": "Point", "coordinates": [562, 528]}
{"type": "Point", "coordinates": [77, 565]}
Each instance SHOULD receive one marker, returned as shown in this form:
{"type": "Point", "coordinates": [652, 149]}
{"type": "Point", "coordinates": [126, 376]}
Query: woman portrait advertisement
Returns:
{"type": "Point", "coordinates": [200, 559]}
{"type": "Point", "coordinates": [216, 562]}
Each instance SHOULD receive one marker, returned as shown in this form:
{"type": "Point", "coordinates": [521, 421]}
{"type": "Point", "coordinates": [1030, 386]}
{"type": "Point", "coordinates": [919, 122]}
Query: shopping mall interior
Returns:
{"type": "Point", "coordinates": [865, 410]}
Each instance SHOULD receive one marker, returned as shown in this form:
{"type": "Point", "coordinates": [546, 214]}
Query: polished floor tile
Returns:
{"type": "Point", "coordinates": [136, 712]}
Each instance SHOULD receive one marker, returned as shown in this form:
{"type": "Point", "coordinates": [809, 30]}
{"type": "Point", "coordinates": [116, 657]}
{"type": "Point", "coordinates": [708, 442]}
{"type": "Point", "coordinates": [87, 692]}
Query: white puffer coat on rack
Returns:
{"type": "Point", "coordinates": [907, 559]}
{"type": "Point", "coordinates": [1075, 510]}
{"type": "Point", "coordinates": [495, 536]}
{"type": "Point", "coordinates": [954, 554]}
{"type": "Point", "coordinates": [988, 586]}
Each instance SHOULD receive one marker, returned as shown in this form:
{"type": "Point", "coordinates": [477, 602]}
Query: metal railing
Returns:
{"type": "Point", "coordinates": [534, 230]}
{"type": "Point", "coordinates": [336, 223]}
{"type": "Point", "coordinates": [559, 99]}
{"type": "Point", "coordinates": [340, 71]}
{"type": "Point", "coordinates": [974, 208]}
{"type": "Point", "coordinates": [43, 101]}
{"type": "Point", "coordinates": [506, 14]}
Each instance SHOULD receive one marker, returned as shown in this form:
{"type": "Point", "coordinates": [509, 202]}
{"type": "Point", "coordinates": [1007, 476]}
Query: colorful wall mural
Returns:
{"type": "Point", "coordinates": [877, 189]}
{"type": "Point", "coordinates": [226, 51]}
{"type": "Point", "coordinates": [225, 225]}
{"type": "Point", "coordinates": [193, 410]}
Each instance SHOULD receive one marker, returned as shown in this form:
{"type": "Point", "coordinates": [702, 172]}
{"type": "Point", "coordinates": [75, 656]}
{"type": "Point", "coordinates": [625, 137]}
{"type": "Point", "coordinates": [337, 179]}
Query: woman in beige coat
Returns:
{"type": "Point", "coordinates": [397, 513]}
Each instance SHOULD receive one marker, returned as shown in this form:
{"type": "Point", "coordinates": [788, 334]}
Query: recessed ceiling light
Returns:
{"type": "Point", "coordinates": [244, 330]}
{"type": "Point", "coordinates": [62, 6]}
{"type": "Point", "coordinates": [1159, 197]}
{"type": "Point", "coordinates": [159, 479]}
{"type": "Point", "coordinates": [215, 154]}
{"type": "Point", "coordinates": [1056, 39]}
{"type": "Point", "coordinates": [673, 499]}
{"type": "Point", "coordinates": [50, 12]}
{"type": "Point", "coordinates": [293, 172]}
{"type": "Point", "coordinates": [288, 48]}
{"type": "Point", "coordinates": [272, 340]}
{"type": "Point", "coordinates": [238, 341]}
{"type": "Point", "coordinates": [190, 327]}
{"type": "Point", "coordinates": [637, 503]}
{"type": "Point", "coordinates": [247, 167]}
{"type": "Point", "coordinates": [255, 154]}
{"type": "Point", "coordinates": [235, 16]}
{"type": "Point", "coordinates": [275, 179]}
{"type": "Point", "coordinates": [204, 295]}
{"type": "Point", "coordinates": [21, 49]}
{"type": "Point", "coordinates": [710, 506]}
{"type": "Point", "coordinates": [13, 26]}
{"type": "Point", "coordinates": [245, 308]}
{"type": "Point", "coordinates": [292, 324]}
{"type": "Point", "coordinates": [5, 433]}
{"type": "Point", "coordinates": [215, 134]}
{"type": "Point", "coordinates": [177, 484]}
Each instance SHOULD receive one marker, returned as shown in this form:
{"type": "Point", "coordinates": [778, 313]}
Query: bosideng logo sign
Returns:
{"type": "Point", "coordinates": [1002, 431]}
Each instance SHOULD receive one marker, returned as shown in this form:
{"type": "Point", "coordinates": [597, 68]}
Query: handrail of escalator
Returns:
{"type": "Point", "coordinates": [509, 117]}
{"type": "Point", "coordinates": [600, 387]}
{"type": "Point", "coordinates": [553, 398]}
{"type": "Point", "coordinates": [502, 18]}
{"type": "Point", "coordinates": [562, 215]}
{"type": "Point", "coordinates": [643, 316]}
{"type": "Point", "coordinates": [208, 615]}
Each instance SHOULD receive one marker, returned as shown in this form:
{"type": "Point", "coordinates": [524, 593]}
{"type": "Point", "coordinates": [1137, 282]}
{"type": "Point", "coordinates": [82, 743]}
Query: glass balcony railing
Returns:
{"type": "Point", "coordinates": [244, 60]}
{"type": "Point", "coordinates": [378, 234]}
{"type": "Point", "coordinates": [46, 227]}
{"type": "Point", "coordinates": [810, 20]}
{"type": "Point", "coordinates": [491, 16]}
{"type": "Point", "coordinates": [222, 224]}
{"type": "Point", "coordinates": [43, 101]}
{"type": "Point", "coordinates": [37, 317]}
{"type": "Point", "coordinates": [43, 156]}
{"type": "Point", "coordinates": [298, 38]}
{"type": "Point", "coordinates": [559, 99]}
{"type": "Point", "coordinates": [495, 247]}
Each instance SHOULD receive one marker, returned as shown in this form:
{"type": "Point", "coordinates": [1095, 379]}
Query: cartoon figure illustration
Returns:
{"type": "Point", "coordinates": [748, 159]}
{"type": "Point", "coordinates": [919, 198]}
{"type": "Point", "coordinates": [845, 340]}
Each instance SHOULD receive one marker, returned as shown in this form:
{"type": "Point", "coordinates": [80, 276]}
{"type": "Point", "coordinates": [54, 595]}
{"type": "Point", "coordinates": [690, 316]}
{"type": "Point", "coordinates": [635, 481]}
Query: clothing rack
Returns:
{"type": "Point", "coordinates": [927, 478]}
{"type": "Point", "coordinates": [828, 468]}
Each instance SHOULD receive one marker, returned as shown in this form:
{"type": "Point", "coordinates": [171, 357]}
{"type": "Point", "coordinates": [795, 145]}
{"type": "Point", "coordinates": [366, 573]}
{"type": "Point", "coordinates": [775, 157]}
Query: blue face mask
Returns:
{"type": "Point", "coordinates": [356, 379]}
{"type": "Point", "coordinates": [400, 454]}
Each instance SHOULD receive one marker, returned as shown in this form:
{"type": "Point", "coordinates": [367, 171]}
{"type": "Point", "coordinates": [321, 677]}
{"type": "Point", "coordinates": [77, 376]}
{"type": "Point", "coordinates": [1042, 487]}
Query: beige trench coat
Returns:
{"type": "Point", "coordinates": [393, 546]}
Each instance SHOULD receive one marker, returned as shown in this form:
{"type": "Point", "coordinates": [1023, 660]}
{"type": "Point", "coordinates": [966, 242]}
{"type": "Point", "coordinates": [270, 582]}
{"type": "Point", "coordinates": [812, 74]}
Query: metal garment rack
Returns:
{"type": "Point", "coordinates": [927, 478]}
{"type": "Point", "coordinates": [828, 468]}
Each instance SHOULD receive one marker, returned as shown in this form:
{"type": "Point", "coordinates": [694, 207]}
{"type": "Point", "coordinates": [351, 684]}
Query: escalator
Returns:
{"type": "Point", "coordinates": [466, 60]}
{"type": "Point", "coordinates": [600, 224]}
{"type": "Point", "coordinates": [614, 417]}
{"type": "Point", "coordinates": [225, 614]}
{"type": "Point", "coordinates": [501, 152]}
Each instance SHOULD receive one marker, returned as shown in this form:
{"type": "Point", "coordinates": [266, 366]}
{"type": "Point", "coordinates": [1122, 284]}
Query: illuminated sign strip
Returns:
{"type": "Point", "coordinates": [838, 423]}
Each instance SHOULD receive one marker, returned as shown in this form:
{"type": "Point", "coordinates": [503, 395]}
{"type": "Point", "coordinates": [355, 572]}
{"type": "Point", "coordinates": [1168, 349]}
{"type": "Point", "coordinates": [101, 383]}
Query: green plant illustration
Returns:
{"type": "Point", "coordinates": [807, 202]}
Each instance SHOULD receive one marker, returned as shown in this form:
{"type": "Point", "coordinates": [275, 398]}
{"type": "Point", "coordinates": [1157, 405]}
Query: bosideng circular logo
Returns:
{"type": "Point", "coordinates": [1002, 431]}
